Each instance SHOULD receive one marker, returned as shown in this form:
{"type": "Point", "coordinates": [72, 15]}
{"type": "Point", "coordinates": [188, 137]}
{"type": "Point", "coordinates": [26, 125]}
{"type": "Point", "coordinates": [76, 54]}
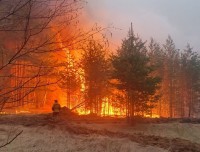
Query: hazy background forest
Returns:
{"type": "Point", "coordinates": [48, 52]}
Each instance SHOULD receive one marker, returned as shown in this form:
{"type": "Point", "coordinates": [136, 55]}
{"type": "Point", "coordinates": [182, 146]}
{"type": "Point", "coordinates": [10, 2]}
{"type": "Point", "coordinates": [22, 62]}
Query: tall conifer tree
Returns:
{"type": "Point", "coordinates": [133, 71]}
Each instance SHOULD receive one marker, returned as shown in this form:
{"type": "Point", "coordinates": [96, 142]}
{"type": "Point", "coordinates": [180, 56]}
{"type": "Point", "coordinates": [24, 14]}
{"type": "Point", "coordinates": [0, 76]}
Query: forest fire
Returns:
{"type": "Point", "coordinates": [56, 68]}
{"type": "Point", "coordinates": [107, 109]}
{"type": "Point", "coordinates": [70, 80]}
{"type": "Point", "coordinates": [82, 111]}
{"type": "Point", "coordinates": [152, 116]}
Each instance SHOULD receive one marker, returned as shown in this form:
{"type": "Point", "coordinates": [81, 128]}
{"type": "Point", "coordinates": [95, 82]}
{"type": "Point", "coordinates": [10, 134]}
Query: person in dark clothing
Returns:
{"type": "Point", "coordinates": [56, 108]}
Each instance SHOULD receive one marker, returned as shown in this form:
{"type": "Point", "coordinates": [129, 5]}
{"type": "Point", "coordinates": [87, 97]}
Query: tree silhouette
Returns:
{"type": "Point", "coordinates": [132, 70]}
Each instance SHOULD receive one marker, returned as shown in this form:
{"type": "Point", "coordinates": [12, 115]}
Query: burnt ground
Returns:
{"type": "Point", "coordinates": [74, 125]}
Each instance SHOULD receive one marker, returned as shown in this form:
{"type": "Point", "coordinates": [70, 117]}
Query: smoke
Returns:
{"type": "Point", "coordinates": [152, 18]}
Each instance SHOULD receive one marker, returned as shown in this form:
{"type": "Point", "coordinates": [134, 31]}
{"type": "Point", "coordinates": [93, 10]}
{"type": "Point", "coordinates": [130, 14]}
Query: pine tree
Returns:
{"type": "Point", "coordinates": [95, 66]}
{"type": "Point", "coordinates": [190, 63]}
{"type": "Point", "coordinates": [156, 56]}
{"type": "Point", "coordinates": [70, 79]}
{"type": "Point", "coordinates": [170, 74]}
{"type": "Point", "coordinates": [133, 71]}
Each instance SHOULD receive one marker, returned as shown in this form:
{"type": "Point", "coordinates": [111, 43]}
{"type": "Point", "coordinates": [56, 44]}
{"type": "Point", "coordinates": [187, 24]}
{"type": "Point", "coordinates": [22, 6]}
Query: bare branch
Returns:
{"type": "Point", "coordinates": [9, 142]}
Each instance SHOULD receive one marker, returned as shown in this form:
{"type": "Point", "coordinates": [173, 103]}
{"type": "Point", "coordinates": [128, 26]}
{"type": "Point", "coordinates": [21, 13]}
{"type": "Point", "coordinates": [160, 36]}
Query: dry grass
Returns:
{"type": "Point", "coordinates": [41, 133]}
{"type": "Point", "coordinates": [47, 139]}
{"type": "Point", "coordinates": [185, 131]}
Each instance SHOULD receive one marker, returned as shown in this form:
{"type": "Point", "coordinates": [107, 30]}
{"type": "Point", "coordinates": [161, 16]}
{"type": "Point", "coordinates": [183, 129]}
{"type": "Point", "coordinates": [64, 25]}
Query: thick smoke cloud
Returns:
{"type": "Point", "coordinates": [151, 18]}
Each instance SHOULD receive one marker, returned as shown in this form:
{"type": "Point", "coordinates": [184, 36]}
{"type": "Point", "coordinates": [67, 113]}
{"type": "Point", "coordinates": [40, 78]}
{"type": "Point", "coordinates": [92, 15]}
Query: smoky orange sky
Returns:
{"type": "Point", "coordinates": [151, 18]}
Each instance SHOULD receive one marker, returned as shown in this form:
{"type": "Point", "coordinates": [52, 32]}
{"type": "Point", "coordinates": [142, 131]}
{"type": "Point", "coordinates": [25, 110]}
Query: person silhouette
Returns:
{"type": "Point", "coordinates": [56, 108]}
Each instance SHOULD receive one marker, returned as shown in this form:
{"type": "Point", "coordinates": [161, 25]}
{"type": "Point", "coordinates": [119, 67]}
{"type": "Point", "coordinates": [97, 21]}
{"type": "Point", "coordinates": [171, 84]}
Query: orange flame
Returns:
{"type": "Point", "coordinates": [109, 110]}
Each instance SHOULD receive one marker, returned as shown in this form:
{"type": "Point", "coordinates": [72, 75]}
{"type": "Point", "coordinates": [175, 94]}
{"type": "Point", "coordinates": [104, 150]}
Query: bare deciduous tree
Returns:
{"type": "Point", "coordinates": [33, 33]}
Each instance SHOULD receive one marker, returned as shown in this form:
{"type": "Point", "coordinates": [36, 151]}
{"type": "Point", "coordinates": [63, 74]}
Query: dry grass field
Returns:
{"type": "Point", "coordinates": [41, 133]}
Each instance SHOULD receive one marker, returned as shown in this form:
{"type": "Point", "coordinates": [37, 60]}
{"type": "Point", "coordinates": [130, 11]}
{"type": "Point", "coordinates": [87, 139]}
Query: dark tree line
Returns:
{"type": "Point", "coordinates": [146, 78]}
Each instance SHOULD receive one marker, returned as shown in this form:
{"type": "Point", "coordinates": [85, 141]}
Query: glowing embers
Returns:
{"type": "Point", "coordinates": [110, 110]}
{"type": "Point", "coordinates": [82, 111]}
{"type": "Point", "coordinates": [151, 116]}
